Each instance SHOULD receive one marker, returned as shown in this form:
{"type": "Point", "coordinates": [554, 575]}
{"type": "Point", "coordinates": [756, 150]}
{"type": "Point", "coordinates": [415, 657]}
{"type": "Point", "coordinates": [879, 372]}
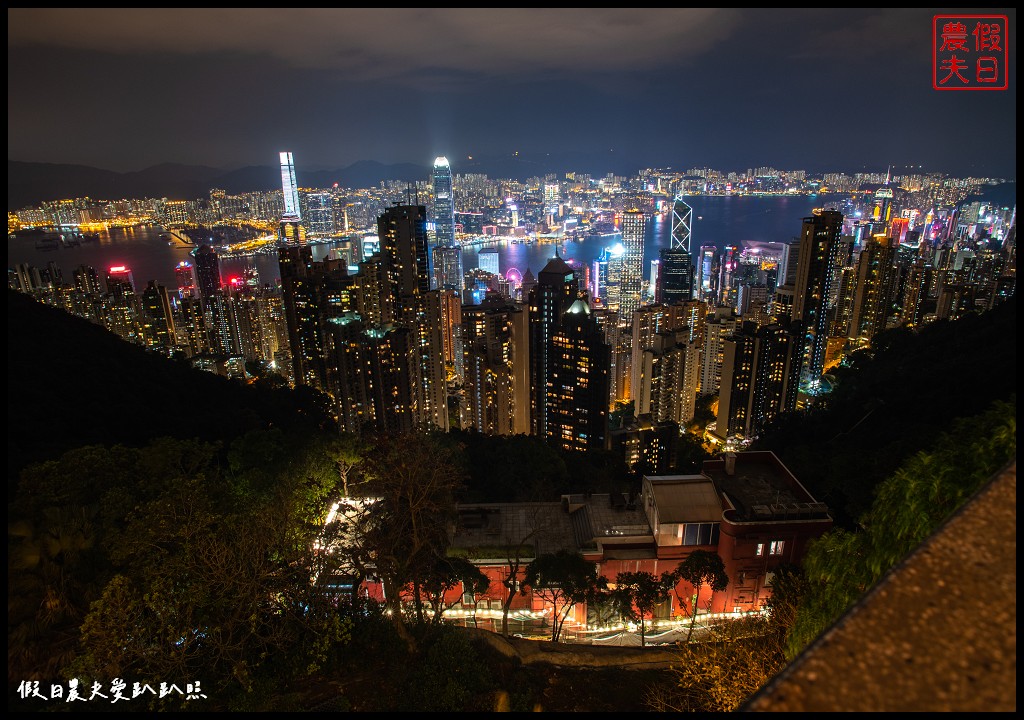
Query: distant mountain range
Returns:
{"type": "Point", "coordinates": [31, 183]}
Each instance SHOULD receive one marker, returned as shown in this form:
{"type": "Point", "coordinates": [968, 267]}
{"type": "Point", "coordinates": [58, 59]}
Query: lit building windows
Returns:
{"type": "Point", "coordinates": [775, 548]}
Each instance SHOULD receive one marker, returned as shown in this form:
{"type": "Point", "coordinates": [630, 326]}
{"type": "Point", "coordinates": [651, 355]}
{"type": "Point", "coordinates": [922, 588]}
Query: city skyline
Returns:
{"type": "Point", "coordinates": [617, 87]}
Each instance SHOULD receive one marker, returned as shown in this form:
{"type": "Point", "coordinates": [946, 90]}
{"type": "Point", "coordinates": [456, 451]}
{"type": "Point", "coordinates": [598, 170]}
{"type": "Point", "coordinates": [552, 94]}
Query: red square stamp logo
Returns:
{"type": "Point", "coordinates": [970, 52]}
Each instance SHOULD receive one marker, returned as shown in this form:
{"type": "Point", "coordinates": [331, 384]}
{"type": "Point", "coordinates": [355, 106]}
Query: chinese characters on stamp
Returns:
{"type": "Point", "coordinates": [970, 52]}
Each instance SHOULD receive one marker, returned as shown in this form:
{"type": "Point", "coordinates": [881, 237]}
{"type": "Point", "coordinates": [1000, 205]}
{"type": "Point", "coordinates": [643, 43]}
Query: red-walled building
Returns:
{"type": "Point", "coordinates": [746, 507]}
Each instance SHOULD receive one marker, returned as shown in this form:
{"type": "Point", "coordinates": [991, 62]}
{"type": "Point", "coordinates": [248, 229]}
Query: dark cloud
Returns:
{"type": "Point", "coordinates": [729, 88]}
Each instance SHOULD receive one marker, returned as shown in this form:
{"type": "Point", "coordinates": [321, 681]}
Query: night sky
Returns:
{"type": "Point", "coordinates": [847, 89]}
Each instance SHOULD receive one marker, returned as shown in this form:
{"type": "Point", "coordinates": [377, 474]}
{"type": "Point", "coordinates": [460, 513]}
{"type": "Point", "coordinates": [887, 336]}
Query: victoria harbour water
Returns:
{"type": "Point", "coordinates": [717, 220]}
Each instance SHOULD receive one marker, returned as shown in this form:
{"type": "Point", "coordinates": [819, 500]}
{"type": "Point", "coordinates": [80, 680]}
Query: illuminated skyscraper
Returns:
{"type": "Point", "coordinates": [207, 271]}
{"type": "Point", "coordinates": [606, 277]}
{"type": "Point", "coordinates": [675, 277]}
{"type": "Point", "coordinates": [872, 303]}
{"type": "Point", "coordinates": [407, 301]}
{"type": "Point", "coordinates": [576, 415]}
{"type": "Point", "coordinates": [87, 280]}
{"type": "Point", "coordinates": [158, 321]}
{"type": "Point", "coordinates": [185, 275]}
{"type": "Point", "coordinates": [447, 261]}
{"type": "Point", "coordinates": [291, 229]}
{"type": "Point", "coordinates": [708, 274]}
{"type": "Point", "coordinates": [818, 262]}
{"type": "Point", "coordinates": [444, 219]}
{"type": "Point", "coordinates": [495, 366]}
{"type": "Point", "coordinates": [760, 378]}
{"type": "Point", "coordinates": [444, 203]}
{"type": "Point", "coordinates": [120, 281]}
{"type": "Point", "coordinates": [289, 188]}
{"type": "Point", "coordinates": [320, 213]}
{"type": "Point", "coordinates": [556, 290]}
{"type": "Point", "coordinates": [730, 261]}
{"type": "Point", "coordinates": [487, 260]}
{"type": "Point", "coordinates": [634, 228]}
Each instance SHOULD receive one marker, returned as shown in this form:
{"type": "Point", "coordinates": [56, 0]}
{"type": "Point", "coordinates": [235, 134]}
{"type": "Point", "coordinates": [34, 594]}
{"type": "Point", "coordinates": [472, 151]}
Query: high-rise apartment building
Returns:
{"type": "Point", "coordinates": [313, 293]}
{"type": "Point", "coordinates": [577, 385]}
{"type": "Point", "coordinates": [185, 275]}
{"type": "Point", "coordinates": [87, 280]}
{"type": "Point", "coordinates": [374, 371]}
{"type": "Point", "coordinates": [120, 282]}
{"type": "Point", "coordinates": [207, 270]}
{"type": "Point", "coordinates": [407, 301]}
{"type": "Point", "coordinates": [818, 263]}
{"type": "Point", "coordinates": [760, 378]}
{"type": "Point", "coordinates": [873, 299]}
{"type": "Point", "coordinates": [717, 328]}
{"type": "Point", "coordinates": [556, 290]}
{"type": "Point", "coordinates": [495, 337]}
{"type": "Point", "coordinates": [319, 216]}
{"type": "Point", "coordinates": [448, 274]}
{"type": "Point", "coordinates": [157, 317]}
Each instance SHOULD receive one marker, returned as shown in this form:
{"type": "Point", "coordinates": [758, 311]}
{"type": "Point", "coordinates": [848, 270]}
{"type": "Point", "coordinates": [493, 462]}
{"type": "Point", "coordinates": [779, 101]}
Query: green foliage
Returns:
{"type": "Point", "coordinates": [701, 568]}
{"type": "Point", "coordinates": [636, 594]}
{"type": "Point", "coordinates": [564, 579]}
{"type": "Point", "coordinates": [909, 506]}
{"type": "Point", "coordinates": [622, 412]}
{"type": "Point", "coordinates": [690, 454]}
{"type": "Point", "coordinates": [449, 676]}
{"type": "Point", "coordinates": [789, 588]}
{"type": "Point", "coordinates": [55, 569]}
{"type": "Point", "coordinates": [718, 675]}
{"type": "Point", "coordinates": [410, 484]}
{"type": "Point", "coordinates": [893, 402]}
{"type": "Point", "coordinates": [443, 574]}
{"type": "Point", "coordinates": [702, 413]}
{"type": "Point", "coordinates": [594, 471]}
{"type": "Point", "coordinates": [510, 468]}
{"type": "Point", "coordinates": [169, 573]}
